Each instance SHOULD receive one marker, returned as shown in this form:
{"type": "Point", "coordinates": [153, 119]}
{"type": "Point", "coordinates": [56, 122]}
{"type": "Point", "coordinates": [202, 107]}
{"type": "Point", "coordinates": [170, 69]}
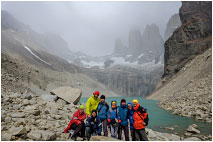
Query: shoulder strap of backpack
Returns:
{"type": "Point", "coordinates": [100, 108]}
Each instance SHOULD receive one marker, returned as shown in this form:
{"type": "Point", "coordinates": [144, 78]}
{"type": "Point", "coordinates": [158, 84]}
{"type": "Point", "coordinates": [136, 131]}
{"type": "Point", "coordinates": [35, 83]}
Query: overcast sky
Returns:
{"type": "Point", "coordinates": [92, 27]}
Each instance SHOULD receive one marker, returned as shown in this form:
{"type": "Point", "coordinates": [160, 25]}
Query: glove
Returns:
{"type": "Point", "coordinates": [109, 120]}
{"type": "Point", "coordinates": [119, 121]}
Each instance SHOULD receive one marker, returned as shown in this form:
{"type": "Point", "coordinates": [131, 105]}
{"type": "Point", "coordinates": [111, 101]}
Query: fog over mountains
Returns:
{"type": "Point", "coordinates": [92, 27]}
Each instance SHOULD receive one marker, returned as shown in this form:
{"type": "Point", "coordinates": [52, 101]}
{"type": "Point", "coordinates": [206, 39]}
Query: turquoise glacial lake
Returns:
{"type": "Point", "coordinates": [160, 118]}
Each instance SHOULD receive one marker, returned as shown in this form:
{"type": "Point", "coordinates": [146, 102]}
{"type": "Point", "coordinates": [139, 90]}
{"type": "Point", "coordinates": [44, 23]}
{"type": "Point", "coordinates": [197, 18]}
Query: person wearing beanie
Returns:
{"type": "Point", "coordinates": [123, 125]}
{"type": "Point", "coordinates": [103, 111]}
{"type": "Point", "coordinates": [140, 121]}
{"type": "Point", "coordinates": [93, 125]}
{"type": "Point", "coordinates": [92, 103]}
{"type": "Point", "coordinates": [77, 123]}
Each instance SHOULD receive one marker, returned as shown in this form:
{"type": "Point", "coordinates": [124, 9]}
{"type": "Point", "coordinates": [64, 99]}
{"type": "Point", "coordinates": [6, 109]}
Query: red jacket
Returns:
{"type": "Point", "coordinates": [138, 117]}
{"type": "Point", "coordinates": [77, 119]}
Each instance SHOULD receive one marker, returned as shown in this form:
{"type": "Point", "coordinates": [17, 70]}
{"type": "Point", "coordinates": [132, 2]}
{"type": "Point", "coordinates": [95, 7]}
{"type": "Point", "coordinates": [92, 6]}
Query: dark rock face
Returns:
{"type": "Point", "coordinates": [172, 25]}
{"type": "Point", "coordinates": [193, 37]}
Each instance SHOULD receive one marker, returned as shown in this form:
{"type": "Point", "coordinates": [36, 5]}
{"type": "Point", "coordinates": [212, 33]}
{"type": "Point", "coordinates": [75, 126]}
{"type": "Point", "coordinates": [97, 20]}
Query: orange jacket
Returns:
{"type": "Point", "coordinates": [138, 120]}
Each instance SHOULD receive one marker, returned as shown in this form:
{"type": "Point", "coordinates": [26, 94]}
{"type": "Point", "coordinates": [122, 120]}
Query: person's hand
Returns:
{"type": "Point", "coordinates": [119, 121]}
{"type": "Point", "coordinates": [144, 123]}
{"type": "Point", "coordinates": [109, 120]}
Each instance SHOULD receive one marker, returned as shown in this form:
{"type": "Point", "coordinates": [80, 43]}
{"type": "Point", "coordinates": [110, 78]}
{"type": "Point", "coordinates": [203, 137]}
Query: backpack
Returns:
{"type": "Point", "coordinates": [142, 110]}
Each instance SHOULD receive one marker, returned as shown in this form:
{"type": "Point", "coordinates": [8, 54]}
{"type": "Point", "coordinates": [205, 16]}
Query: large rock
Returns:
{"type": "Point", "coordinates": [192, 130]}
{"type": "Point", "coordinates": [6, 137]}
{"type": "Point", "coordinates": [34, 135]}
{"type": "Point", "coordinates": [42, 135]}
{"type": "Point", "coordinates": [14, 131]}
{"type": "Point", "coordinates": [70, 95]}
{"type": "Point", "coordinates": [192, 139]}
{"type": "Point", "coordinates": [18, 115]}
{"type": "Point", "coordinates": [102, 138]}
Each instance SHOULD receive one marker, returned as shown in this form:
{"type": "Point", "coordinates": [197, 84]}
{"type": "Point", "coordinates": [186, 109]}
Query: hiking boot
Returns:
{"type": "Point", "coordinates": [73, 138]}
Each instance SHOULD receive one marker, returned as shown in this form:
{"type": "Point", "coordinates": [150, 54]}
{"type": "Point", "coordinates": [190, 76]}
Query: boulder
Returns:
{"type": "Point", "coordinates": [192, 139]}
{"type": "Point", "coordinates": [70, 95]}
{"type": "Point", "coordinates": [192, 130]}
{"type": "Point", "coordinates": [14, 131]}
{"type": "Point", "coordinates": [34, 135]}
{"type": "Point", "coordinates": [48, 136]}
{"type": "Point", "coordinates": [102, 138]}
{"type": "Point", "coordinates": [50, 98]}
{"type": "Point", "coordinates": [18, 115]}
{"type": "Point", "coordinates": [6, 137]}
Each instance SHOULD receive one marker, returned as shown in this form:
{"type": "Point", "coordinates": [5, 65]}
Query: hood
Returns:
{"type": "Point", "coordinates": [94, 97]}
{"type": "Point", "coordinates": [137, 106]}
{"type": "Point", "coordinates": [114, 101]}
{"type": "Point", "coordinates": [130, 104]}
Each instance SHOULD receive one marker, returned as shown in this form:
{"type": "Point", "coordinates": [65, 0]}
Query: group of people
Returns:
{"type": "Point", "coordinates": [117, 118]}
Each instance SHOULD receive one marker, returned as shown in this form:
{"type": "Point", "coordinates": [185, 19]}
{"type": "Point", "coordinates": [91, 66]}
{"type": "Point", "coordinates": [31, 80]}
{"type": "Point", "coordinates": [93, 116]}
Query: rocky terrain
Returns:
{"type": "Point", "coordinates": [29, 117]}
{"type": "Point", "coordinates": [186, 88]}
{"type": "Point", "coordinates": [192, 38]}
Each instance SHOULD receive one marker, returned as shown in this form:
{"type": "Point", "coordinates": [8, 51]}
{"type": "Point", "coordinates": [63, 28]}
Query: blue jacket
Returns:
{"type": "Point", "coordinates": [123, 113]}
{"type": "Point", "coordinates": [95, 123]}
{"type": "Point", "coordinates": [112, 112]}
{"type": "Point", "coordinates": [131, 112]}
{"type": "Point", "coordinates": [103, 111]}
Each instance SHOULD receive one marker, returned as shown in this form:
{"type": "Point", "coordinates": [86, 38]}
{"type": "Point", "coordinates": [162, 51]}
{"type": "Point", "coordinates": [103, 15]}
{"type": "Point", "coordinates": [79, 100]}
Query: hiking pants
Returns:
{"type": "Point", "coordinates": [133, 137]}
{"type": "Point", "coordinates": [140, 135]}
{"type": "Point", "coordinates": [89, 132]}
{"type": "Point", "coordinates": [114, 131]}
{"type": "Point", "coordinates": [126, 132]}
{"type": "Point", "coordinates": [77, 129]}
{"type": "Point", "coordinates": [104, 122]}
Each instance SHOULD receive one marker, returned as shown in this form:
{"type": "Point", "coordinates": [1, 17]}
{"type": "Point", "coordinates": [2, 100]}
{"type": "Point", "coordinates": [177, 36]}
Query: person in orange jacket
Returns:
{"type": "Point", "coordinates": [77, 123]}
{"type": "Point", "coordinates": [140, 117]}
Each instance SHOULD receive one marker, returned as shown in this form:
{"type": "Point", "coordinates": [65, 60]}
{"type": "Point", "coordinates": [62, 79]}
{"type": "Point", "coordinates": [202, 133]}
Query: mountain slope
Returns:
{"type": "Point", "coordinates": [186, 88]}
{"type": "Point", "coordinates": [189, 92]}
{"type": "Point", "coordinates": [27, 66]}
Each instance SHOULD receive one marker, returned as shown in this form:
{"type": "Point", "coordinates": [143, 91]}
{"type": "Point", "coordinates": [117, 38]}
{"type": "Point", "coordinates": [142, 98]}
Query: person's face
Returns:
{"type": "Point", "coordinates": [96, 96]}
{"type": "Point", "coordinates": [123, 103]}
{"type": "Point", "coordinates": [129, 107]}
{"type": "Point", "coordinates": [103, 100]}
{"type": "Point", "coordinates": [113, 105]}
{"type": "Point", "coordinates": [94, 114]}
{"type": "Point", "coordinates": [134, 104]}
{"type": "Point", "coordinates": [81, 110]}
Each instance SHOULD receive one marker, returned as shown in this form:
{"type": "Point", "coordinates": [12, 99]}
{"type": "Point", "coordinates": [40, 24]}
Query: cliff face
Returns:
{"type": "Point", "coordinates": [172, 25]}
{"type": "Point", "coordinates": [193, 37]}
{"type": "Point", "coordinates": [127, 81]}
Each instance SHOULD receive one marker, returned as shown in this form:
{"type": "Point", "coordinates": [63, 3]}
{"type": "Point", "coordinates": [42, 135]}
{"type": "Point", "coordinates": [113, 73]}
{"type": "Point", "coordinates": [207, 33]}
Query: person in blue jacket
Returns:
{"type": "Point", "coordinates": [103, 112]}
{"type": "Point", "coordinates": [114, 119]}
{"type": "Point", "coordinates": [93, 125]}
{"type": "Point", "coordinates": [130, 113]}
{"type": "Point", "coordinates": [123, 113]}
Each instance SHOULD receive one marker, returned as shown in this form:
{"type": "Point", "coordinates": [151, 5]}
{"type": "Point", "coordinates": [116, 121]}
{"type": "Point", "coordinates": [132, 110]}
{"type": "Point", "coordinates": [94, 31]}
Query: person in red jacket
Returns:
{"type": "Point", "coordinates": [139, 124]}
{"type": "Point", "coordinates": [77, 123]}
